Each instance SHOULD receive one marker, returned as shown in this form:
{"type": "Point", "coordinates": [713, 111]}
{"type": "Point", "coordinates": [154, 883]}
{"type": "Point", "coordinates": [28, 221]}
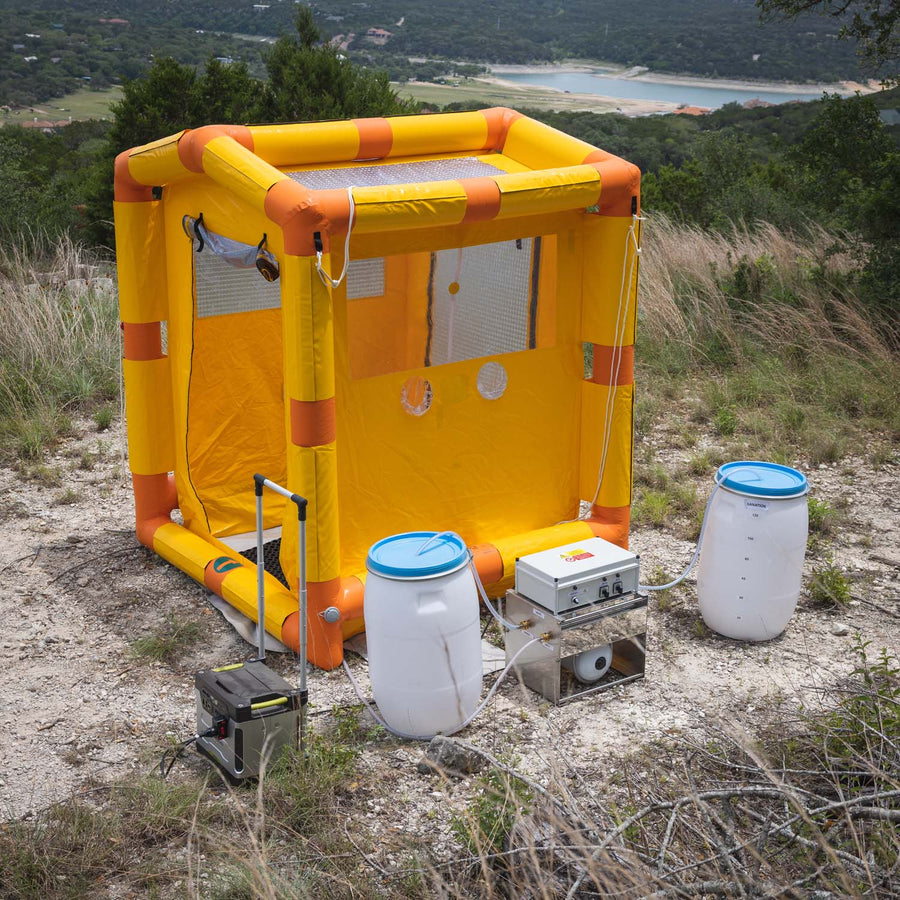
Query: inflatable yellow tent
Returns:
{"type": "Point", "coordinates": [416, 323]}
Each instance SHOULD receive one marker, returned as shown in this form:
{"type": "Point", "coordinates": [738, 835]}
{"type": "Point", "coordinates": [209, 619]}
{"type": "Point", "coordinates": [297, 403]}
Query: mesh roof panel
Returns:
{"type": "Point", "coordinates": [395, 173]}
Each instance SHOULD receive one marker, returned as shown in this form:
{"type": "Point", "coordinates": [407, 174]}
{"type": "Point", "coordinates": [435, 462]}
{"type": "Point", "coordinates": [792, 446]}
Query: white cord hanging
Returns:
{"type": "Point", "coordinates": [503, 622]}
{"type": "Point", "coordinates": [327, 280]}
{"type": "Point", "coordinates": [615, 362]}
{"type": "Point", "coordinates": [428, 737]}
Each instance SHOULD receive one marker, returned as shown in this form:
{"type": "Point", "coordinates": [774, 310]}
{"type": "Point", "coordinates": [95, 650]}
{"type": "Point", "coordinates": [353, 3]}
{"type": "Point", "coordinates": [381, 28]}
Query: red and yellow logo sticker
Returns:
{"type": "Point", "coordinates": [575, 555]}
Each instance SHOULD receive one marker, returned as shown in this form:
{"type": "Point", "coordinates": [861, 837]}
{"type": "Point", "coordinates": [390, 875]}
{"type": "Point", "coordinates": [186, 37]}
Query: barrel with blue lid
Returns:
{"type": "Point", "coordinates": [762, 479]}
{"type": "Point", "coordinates": [754, 544]}
{"type": "Point", "coordinates": [418, 554]}
{"type": "Point", "coordinates": [423, 631]}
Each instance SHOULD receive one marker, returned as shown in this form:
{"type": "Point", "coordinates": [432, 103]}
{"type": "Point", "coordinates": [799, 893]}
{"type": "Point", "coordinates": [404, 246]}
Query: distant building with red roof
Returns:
{"type": "Point", "coordinates": [378, 35]}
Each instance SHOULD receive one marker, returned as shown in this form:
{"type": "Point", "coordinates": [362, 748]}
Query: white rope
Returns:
{"type": "Point", "coordinates": [486, 599]}
{"type": "Point", "coordinates": [123, 439]}
{"type": "Point", "coordinates": [491, 692]}
{"type": "Point", "coordinates": [615, 362]}
{"type": "Point", "coordinates": [327, 280]}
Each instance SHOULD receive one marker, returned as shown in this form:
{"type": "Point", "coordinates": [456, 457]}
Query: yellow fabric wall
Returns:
{"type": "Point", "coordinates": [485, 468]}
{"type": "Point", "coordinates": [226, 378]}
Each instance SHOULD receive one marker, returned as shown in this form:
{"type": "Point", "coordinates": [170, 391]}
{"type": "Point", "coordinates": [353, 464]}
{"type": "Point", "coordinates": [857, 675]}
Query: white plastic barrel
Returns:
{"type": "Point", "coordinates": [751, 562]}
{"type": "Point", "coordinates": [423, 632]}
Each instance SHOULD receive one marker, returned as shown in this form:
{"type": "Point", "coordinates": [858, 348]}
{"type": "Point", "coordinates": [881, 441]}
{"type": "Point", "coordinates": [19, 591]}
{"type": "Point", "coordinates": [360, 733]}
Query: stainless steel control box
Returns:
{"type": "Point", "coordinates": [577, 575]}
{"type": "Point", "coordinates": [550, 664]}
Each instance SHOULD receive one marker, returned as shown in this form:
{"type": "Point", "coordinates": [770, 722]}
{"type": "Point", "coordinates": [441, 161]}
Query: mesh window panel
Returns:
{"type": "Point", "coordinates": [365, 278]}
{"type": "Point", "coordinates": [395, 173]}
{"type": "Point", "coordinates": [493, 307]}
{"type": "Point", "coordinates": [223, 289]}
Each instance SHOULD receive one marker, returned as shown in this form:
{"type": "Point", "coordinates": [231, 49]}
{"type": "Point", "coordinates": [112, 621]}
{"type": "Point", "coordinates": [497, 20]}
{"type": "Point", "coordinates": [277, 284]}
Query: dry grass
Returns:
{"type": "Point", "coordinates": [764, 331]}
{"type": "Point", "coordinates": [59, 344]}
{"type": "Point", "coordinates": [786, 293]}
{"type": "Point", "coordinates": [811, 804]}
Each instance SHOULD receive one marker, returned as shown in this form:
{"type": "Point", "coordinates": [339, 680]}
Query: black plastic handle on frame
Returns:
{"type": "Point", "coordinates": [260, 482]}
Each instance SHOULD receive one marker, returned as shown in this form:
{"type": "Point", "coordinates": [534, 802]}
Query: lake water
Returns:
{"type": "Point", "coordinates": [628, 88]}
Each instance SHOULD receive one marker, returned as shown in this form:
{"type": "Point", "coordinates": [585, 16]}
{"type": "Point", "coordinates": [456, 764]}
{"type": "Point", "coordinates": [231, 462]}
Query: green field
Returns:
{"type": "Point", "coordinates": [82, 104]}
{"type": "Point", "coordinates": [474, 90]}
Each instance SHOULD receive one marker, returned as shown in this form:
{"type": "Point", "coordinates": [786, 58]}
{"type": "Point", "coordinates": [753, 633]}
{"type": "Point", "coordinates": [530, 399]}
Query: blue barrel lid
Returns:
{"type": "Point", "coordinates": [417, 554]}
{"type": "Point", "coordinates": [762, 479]}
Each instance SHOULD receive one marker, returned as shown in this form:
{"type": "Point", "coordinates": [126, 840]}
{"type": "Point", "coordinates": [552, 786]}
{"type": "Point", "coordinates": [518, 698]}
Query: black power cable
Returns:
{"type": "Point", "coordinates": [179, 751]}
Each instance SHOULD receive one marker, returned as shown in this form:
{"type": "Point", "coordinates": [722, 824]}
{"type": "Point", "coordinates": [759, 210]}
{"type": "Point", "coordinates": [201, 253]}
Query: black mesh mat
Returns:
{"type": "Point", "coordinates": [271, 552]}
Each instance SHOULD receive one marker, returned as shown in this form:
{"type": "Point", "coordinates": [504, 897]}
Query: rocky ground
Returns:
{"type": "Point", "coordinates": [78, 707]}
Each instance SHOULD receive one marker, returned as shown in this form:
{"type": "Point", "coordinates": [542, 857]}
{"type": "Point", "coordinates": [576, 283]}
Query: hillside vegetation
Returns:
{"type": "Point", "coordinates": [821, 176]}
{"type": "Point", "coordinates": [49, 48]}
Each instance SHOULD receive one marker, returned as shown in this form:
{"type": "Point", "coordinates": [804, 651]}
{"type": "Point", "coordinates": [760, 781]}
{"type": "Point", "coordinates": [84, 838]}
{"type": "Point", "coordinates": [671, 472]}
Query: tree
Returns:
{"type": "Point", "coordinates": [874, 24]}
{"type": "Point", "coordinates": [310, 80]}
{"type": "Point", "coordinates": [851, 172]}
{"type": "Point", "coordinates": [841, 151]}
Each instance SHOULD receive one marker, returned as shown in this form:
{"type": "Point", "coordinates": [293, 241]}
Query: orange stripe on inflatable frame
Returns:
{"type": "Point", "coordinates": [620, 181]}
{"type": "Point", "coordinates": [312, 422]}
{"type": "Point", "coordinates": [482, 198]}
{"type": "Point", "coordinates": [499, 119]}
{"type": "Point", "coordinates": [192, 143]}
{"type": "Point", "coordinates": [126, 189]}
{"type": "Point", "coordinates": [604, 364]}
{"type": "Point", "coordinates": [325, 645]}
{"type": "Point", "coordinates": [375, 138]}
{"type": "Point", "coordinates": [143, 341]}
{"type": "Point", "coordinates": [611, 523]}
{"type": "Point", "coordinates": [154, 500]}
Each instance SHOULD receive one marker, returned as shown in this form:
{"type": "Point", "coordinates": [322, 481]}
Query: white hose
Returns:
{"type": "Point", "coordinates": [487, 600]}
{"type": "Point", "coordinates": [428, 737]}
{"type": "Point", "coordinates": [686, 572]}
{"type": "Point", "coordinates": [629, 260]}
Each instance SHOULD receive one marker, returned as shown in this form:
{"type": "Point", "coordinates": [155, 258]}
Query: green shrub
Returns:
{"type": "Point", "coordinates": [829, 586]}
{"type": "Point", "coordinates": [821, 516]}
{"type": "Point", "coordinates": [725, 421]}
{"type": "Point", "coordinates": [103, 418]}
{"type": "Point", "coordinates": [652, 508]}
{"type": "Point", "coordinates": [500, 800]}
{"type": "Point", "coordinates": [174, 637]}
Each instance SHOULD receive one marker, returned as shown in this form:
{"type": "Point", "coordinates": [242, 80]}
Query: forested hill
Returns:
{"type": "Point", "coordinates": [48, 47]}
{"type": "Point", "coordinates": [704, 37]}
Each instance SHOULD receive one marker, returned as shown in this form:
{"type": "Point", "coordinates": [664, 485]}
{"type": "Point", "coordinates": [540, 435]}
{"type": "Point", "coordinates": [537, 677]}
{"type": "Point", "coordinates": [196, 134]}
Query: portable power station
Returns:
{"type": "Point", "coordinates": [254, 715]}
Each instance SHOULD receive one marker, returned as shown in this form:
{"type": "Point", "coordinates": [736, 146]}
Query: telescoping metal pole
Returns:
{"type": "Point", "coordinates": [261, 482]}
{"type": "Point", "coordinates": [260, 574]}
